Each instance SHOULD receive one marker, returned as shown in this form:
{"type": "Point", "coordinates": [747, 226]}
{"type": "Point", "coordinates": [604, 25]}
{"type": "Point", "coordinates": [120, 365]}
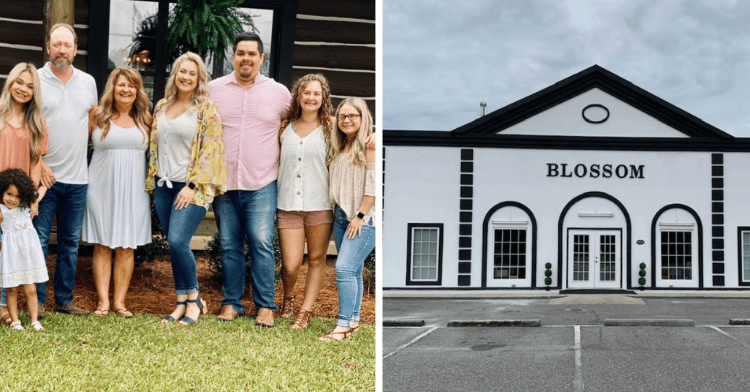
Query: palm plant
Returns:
{"type": "Point", "coordinates": [206, 27]}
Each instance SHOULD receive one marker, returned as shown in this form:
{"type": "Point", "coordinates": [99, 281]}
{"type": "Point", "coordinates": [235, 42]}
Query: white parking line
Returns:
{"type": "Point", "coordinates": [715, 328]}
{"type": "Point", "coordinates": [578, 382]}
{"type": "Point", "coordinates": [403, 346]}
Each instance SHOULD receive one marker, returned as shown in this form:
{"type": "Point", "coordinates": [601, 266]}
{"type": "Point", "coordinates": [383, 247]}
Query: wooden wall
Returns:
{"type": "Point", "coordinates": [337, 38]}
{"type": "Point", "coordinates": [23, 34]}
{"type": "Point", "coordinates": [332, 37]}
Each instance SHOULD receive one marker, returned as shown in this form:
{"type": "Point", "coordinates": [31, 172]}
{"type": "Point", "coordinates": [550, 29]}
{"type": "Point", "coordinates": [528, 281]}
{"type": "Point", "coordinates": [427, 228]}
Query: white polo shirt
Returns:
{"type": "Point", "coordinates": [66, 109]}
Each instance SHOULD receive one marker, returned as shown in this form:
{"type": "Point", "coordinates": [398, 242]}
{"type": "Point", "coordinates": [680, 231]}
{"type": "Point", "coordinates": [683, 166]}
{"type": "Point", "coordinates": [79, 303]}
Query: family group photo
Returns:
{"type": "Point", "coordinates": [188, 195]}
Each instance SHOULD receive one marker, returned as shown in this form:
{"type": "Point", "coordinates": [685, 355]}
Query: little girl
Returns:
{"type": "Point", "coordinates": [21, 259]}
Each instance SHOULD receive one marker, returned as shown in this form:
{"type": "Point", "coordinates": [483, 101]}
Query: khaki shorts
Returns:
{"type": "Point", "coordinates": [300, 219]}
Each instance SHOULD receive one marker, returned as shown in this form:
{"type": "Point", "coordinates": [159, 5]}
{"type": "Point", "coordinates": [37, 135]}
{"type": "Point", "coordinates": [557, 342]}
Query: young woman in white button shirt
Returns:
{"type": "Point", "coordinates": [304, 206]}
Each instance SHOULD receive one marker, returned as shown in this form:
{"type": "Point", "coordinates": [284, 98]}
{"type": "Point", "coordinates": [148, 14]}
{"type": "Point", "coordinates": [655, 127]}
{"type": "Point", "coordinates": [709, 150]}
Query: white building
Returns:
{"type": "Point", "coordinates": [592, 175]}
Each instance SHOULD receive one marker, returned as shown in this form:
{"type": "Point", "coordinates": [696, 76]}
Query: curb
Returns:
{"type": "Point", "coordinates": [649, 323]}
{"type": "Point", "coordinates": [495, 323]}
{"type": "Point", "coordinates": [403, 323]}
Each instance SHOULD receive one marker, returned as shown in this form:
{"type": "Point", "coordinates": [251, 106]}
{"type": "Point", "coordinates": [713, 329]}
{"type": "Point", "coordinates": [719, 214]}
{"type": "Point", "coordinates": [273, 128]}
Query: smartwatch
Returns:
{"type": "Point", "coordinates": [191, 185]}
{"type": "Point", "coordinates": [360, 215]}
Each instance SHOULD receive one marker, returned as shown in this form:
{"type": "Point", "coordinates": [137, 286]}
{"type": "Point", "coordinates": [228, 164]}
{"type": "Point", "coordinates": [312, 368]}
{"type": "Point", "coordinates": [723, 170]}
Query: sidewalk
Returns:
{"type": "Point", "coordinates": [543, 294]}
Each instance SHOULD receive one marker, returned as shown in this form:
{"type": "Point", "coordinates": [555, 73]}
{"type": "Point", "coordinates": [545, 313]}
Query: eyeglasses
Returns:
{"type": "Point", "coordinates": [351, 117]}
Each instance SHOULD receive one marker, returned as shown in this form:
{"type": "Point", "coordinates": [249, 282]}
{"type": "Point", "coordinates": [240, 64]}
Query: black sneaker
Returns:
{"type": "Point", "coordinates": [69, 308]}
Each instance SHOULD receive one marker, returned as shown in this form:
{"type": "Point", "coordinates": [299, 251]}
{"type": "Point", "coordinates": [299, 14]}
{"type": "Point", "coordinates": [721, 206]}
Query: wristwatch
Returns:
{"type": "Point", "coordinates": [191, 185]}
{"type": "Point", "coordinates": [360, 215]}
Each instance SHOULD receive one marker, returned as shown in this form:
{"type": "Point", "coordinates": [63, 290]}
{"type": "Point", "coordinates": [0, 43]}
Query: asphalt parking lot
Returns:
{"type": "Point", "coordinates": [573, 349]}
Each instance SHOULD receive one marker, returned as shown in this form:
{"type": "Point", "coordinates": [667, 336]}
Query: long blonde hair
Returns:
{"type": "Point", "coordinates": [139, 111]}
{"type": "Point", "coordinates": [201, 92]}
{"type": "Point", "coordinates": [338, 138]}
{"type": "Point", "coordinates": [326, 107]}
{"type": "Point", "coordinates": [32, 109]}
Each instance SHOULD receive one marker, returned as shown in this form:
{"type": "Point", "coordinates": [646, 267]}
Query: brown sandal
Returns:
{"type": "Point", "coordinates": [332, 336]}
{"type": "Point", "coordinates": [303, 320]}
{"type": "Point", "coordinates": [6, 317]}
{"type": "Point", "coordinates": [287, 307]}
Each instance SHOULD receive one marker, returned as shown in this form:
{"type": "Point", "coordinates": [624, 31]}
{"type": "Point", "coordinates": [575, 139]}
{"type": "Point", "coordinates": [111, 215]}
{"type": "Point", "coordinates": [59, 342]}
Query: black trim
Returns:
{"type": "Point", "coordinates": [464, 230]}
{"type": "Point", "coordinates": [467, 154]}
{"type": "Point", "coordinates": [466, 204]}
{"type": "Point", "coordinates": [717, 231]}
{"type": "Point", "coordinates": [653, 242]}
{"type": "Point", "coordinates": [717, 255]}
{"type": "Point", "coordinates": [718, 280]}
{"type": "Point", "coordinates": [539, 142]}
{"type": "Point", "coordinates": [464, 267]}
{"type": "Point", "coordinates": [718, 268]}
{"type": "Point", "coordinates": [740, 229]}
{"type": "Point", "coordinates": [467, 179]}
{"type": "Point", "coordinates": [717, 159]}
{"type": "Point", "coordinates": [485, 234]}
{"type": "Point", "coordinates": [560, 231]}
{"type": "Point", "coordinates": [545, 287]}
{"type": "Point", "coordinates": [590, 78]}
{"type": "Point", "coordinates": [717, 171]}
{"type": "Point", "coordinates": [594, 105]}
{"type": "Point", "coordinates": [439, 280]}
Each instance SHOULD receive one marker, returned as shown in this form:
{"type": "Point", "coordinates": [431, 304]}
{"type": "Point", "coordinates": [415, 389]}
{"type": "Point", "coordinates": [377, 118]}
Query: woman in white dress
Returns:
{"type": "Point", "coordinates": [118, 210]}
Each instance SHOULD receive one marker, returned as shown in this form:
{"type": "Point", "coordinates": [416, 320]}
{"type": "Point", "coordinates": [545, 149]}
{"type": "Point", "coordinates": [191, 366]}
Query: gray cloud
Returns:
{"type": "Point", "coordinates": [440, 59]}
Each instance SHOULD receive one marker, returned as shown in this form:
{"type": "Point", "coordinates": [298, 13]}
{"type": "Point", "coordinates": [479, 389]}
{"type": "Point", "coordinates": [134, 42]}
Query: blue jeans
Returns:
{"type": "Point", "coordinates": [179, 227]}
{"type": "Point", "coordinates": [251, 213]}
{"type": "Point", "coordinates": [349, 265]}
{"type": "Point", "coordinates": [68, 201]}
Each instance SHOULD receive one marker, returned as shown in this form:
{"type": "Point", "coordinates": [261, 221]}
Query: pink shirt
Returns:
{"type": "Point", "coordinates": [250, 118]}
{"type": "Point", "coordinates": [15, 148]}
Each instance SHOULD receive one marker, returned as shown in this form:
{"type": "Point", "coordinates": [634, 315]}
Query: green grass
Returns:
{"type": "Point", "coordinates": [139, 354]}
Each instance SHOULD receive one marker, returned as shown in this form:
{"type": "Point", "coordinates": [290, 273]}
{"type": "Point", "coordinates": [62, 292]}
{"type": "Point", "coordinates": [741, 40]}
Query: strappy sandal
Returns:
{"type": "Point", "coordinates": [303, 320]}
{"type": "Point", "coordinates": [37, 326]}
{"type": "Point", "coordinates": [185, 320]}
{"type": "Point", "coordinates": [287, 308]}
{"type": "Point", "coordinates": [16, 326]}
{"type": "Point", "coordinates": [124, 312]}
{"type": "Point", "coordinates": [169, 318]}
{"type": "Point", "coordinates": [332, 336]}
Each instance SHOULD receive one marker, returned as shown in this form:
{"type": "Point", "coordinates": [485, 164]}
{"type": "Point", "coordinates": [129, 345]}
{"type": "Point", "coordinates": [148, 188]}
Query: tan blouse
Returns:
{"type": "Point", "coordinates": [349, 184]}
{"type": "Point", "coordinates": [15, 148]}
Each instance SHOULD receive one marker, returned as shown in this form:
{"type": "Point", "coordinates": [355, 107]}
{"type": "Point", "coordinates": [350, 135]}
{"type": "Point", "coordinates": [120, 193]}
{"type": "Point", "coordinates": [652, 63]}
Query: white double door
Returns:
{"type": "Point", "coordinates": [594, 258]}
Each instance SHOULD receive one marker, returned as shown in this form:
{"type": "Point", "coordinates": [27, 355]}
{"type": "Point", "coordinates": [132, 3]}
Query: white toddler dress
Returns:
{"type": "Point", "coordinates": [21, 257]}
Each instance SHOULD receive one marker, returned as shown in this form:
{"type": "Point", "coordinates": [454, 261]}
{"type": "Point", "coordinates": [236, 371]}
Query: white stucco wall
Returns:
{"type": "Point", "coordinates": [422, 185]}
{"type": "Point", "coordinates": [565, 120]}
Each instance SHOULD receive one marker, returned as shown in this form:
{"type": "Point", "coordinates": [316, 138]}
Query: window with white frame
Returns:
{"type": "Point", "coordinates": [676, 255]}
{"type": "Point", "coordinates": [745, 254]}
{"type": "Point", "coordinates": [510, 253]}
{"type": "Point", "coordinates": [425, 253]}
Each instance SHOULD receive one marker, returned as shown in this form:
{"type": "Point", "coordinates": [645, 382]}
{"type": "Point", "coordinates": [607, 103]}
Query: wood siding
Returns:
{"type": "Point", "coordinates": [337, 38]}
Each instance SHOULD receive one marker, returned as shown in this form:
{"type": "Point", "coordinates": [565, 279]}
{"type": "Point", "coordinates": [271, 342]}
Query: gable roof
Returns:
{"type": "Point", "coordinates": [592, 77]}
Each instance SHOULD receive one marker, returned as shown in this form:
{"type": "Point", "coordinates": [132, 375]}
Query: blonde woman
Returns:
{"type": "Point", "coordinates": [352, 187]}
{"type": "Point", "coordinates": [304, 207]}
{"type": "Point", "coordinates": [186, 171]}
{"type": "Point", "coordinates": [118, 210]}
{"type": "Point", "coordinates": [23, 137]}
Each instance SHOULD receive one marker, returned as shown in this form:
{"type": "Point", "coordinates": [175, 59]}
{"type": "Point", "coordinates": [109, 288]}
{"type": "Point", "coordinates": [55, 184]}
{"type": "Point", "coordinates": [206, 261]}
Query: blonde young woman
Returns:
{"type": "Point", "coordinates": [23, 138]}
{"type": "Point", "coordinates": [352, 187]}
{"type": "Point", "coordinates": [304, 207]}
{"type": "Point", "coordinates": [118, 210]}
{"type": "Point", "coordinates": [186, 171]}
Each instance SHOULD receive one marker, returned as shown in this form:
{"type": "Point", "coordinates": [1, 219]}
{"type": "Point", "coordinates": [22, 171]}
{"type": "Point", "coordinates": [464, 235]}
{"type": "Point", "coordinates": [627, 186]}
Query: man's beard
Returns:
{"type": "Point", "coordinates": [61, 62]}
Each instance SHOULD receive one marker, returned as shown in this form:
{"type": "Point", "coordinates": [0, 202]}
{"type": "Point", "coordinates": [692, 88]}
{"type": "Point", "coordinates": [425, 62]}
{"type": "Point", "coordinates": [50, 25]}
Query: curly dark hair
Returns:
{"type": "Point", "coordinates": [22, 181]}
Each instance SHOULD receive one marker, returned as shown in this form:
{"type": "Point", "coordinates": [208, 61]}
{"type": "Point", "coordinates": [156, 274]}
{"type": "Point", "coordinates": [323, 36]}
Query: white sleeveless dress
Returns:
{"type": "Point", "coordinates": [21, 258]}
{"type": "Point", "coordinates": [118, 209]}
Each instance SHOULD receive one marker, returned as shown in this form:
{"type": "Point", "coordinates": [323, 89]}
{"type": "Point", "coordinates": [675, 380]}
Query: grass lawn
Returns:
{"type": "Point", "coordinates": [96, 354]}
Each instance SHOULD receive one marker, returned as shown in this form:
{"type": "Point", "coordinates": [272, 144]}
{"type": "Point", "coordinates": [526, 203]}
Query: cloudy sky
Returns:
{"type": "Point", "coordinates": [441, 58]}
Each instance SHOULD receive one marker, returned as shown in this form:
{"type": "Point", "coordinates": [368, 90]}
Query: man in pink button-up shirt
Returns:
{"type": "Point", "coordinates": [250, 106]}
